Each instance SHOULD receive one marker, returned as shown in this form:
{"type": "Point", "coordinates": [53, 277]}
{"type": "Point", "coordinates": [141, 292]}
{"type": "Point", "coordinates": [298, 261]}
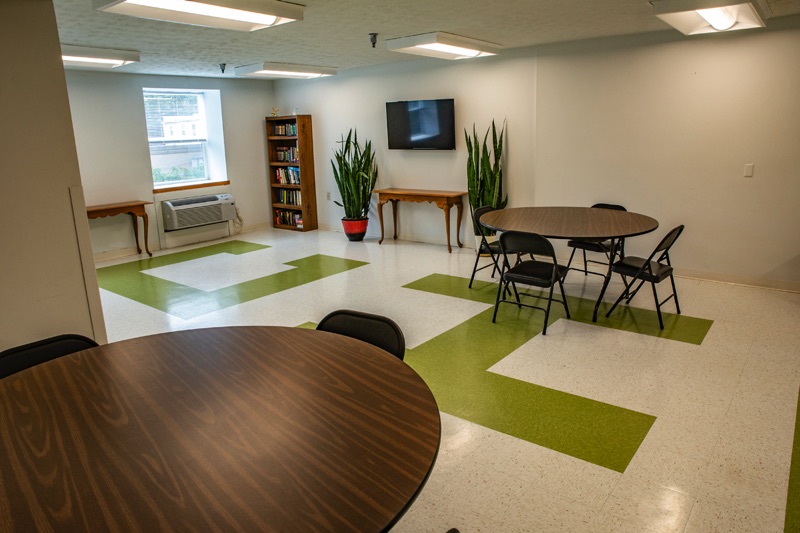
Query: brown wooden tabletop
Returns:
{"type": "Point", "coordinates": [221, 429]}
{"type": "Point", "coordinates": [570, 222]}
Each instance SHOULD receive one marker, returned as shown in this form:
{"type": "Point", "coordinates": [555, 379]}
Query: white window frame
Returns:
{"type": "Point", "coordinates": [212, 139]}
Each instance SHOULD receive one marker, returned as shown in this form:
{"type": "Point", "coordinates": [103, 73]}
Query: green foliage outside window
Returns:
{"type": "Point", "coordinates": [179, 174]}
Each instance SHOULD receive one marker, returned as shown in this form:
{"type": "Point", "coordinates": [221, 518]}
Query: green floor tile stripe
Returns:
{"type": "Point", "coordinates": [455, 365]}
{"type": "Point", "coordinates": [186, 302]}
{"type": "Point", "coordinates": [792, 523]}
{"type": "Point", "coordinates": [681, 328]}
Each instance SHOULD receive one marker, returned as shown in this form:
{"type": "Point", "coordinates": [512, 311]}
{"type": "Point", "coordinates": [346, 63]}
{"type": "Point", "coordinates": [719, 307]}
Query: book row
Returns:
{"type": "Point", "coordinates": [288, 218]}
{"type": "Point", "coordinates": [289, 197]}
{"type": "Point", "coordinates": [286, 129]}
{"type": "Point", "coordinates": [288, 175]}
{"type": "Point", "coordinates": [286, 153]}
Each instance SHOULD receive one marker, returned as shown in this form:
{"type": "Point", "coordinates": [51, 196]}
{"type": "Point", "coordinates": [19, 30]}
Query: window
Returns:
{"type": "Point", "coordinates": [184, 131]}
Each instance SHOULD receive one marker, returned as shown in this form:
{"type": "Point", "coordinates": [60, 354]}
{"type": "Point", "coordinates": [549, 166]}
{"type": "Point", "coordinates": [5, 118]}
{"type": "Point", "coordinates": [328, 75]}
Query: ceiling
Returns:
{"type": "Point", "coordinates": [335, 33]}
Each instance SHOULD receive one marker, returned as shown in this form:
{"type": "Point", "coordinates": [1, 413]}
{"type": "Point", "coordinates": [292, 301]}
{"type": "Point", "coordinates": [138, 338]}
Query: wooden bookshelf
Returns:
{"type": "Point", "coordinates": [290, 148]}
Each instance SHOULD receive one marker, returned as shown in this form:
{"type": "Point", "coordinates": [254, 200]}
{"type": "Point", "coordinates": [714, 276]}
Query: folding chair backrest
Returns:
{"type": "Point", "coordinates": [662, 250]}
{"type": "Point", "coordinates": [616, 207]}
{"type": "Point", "coordinates": [476, 217]}
{"type": "Point", "coordinates": [17, 359]}
{"type": "Point", "coordinates": [377, 330]}
{"type": "Point", "coordinates": [518, 242]}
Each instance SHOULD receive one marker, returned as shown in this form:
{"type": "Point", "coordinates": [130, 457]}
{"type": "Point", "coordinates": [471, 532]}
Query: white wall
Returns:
{"type": "Point", "coordinates": [661, 123]}
{"type": "Point", "coordinates": [483, 89]}
{"type": "Point", "coordinates": [665, 125]}
{"type": "Point", "coordinates": [110, 132]}
{"type": "Point", "coordinates": [49, 286]}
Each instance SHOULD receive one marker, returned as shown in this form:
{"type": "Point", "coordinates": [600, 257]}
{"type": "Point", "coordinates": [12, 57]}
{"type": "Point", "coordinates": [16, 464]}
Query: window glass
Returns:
{"type": "Point", "coordinates": [177, 132]}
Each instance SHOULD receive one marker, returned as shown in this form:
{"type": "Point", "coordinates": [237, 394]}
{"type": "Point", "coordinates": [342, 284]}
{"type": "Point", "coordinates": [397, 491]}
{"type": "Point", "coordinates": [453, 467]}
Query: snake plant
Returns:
{"type": "Point", "coordinates": [355, 172]}
{"type": "Point", "coordinates": [484, 170]}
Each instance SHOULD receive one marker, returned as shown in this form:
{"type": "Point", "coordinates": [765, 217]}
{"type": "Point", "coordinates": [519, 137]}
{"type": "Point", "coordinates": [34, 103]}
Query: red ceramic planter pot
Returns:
{"type": "Point", "coordinates": [355, 229]}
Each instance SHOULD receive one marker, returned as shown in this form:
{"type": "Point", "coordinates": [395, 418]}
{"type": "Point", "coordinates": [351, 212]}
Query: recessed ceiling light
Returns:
{"type": "Point", "coordinates": [241, 15]}
{"type": "Point", "coordinates": [283, 70]}
{"type": "Point", "coordinates": [89, 57]}
{"type": "Point", "coordinates": [692, 17]}
{"type": "Point", "coordinates": [442, 45]}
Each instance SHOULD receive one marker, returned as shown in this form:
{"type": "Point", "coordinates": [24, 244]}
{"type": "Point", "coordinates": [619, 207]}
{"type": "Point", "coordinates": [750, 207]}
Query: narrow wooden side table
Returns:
{"type": "Point", "coordinates": [444, 200]}
{"type": "Point", "coordinates": [134, 208]}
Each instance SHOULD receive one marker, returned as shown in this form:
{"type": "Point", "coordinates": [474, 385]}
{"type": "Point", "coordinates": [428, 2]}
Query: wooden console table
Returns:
{"type": "Point", "coordinates": [443, 200]}
{"type": "Point", "coordinates": [134, 208]}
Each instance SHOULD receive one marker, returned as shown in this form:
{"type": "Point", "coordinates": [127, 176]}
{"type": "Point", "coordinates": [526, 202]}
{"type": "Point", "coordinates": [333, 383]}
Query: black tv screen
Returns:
{"type": "Point", "coordinates": [421, 125]}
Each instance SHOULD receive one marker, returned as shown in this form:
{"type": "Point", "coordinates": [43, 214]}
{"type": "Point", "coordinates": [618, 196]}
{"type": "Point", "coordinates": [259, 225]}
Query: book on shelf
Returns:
{"type": "Point", "coordinates": [286, 154]}
{"type": "Point", "coordinates": [289, 197]}
{"type": "Point", "coordinates": [288, 175]}
{"type": "Point", "coordinates": [284, 217]}
{"type": "Point", "coordinates": [288, 130]}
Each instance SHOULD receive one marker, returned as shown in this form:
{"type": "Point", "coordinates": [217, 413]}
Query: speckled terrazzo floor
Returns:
{"type": "Point", "coordinates": [609, 427]}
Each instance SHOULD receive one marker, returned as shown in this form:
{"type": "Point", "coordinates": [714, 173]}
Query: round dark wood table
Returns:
{"type": "Point", "coordinates": [220, 429]}
{"type": "Point", "coordinates": [573, 223]}
{"type": "Point", "coordinates": [570, 222]}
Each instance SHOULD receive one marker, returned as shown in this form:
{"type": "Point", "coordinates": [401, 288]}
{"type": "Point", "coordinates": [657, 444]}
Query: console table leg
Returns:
{"type": "Point", "coordinates": [447, 226]}
{"type": "Point", "coordinates": [394, 218]}
{"type": "Point", "coordinates": [459, 209]}
{"type": "Point", "coordinates": [380, 218]}
{"type": "Point", "coordinates": [146, 230]}
{"type": "Point", "coordinates": [135, 221]}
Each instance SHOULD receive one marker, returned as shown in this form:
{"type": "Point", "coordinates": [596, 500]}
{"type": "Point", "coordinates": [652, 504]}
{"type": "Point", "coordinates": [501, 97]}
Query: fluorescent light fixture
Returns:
{"type": "Point", "coordinates": [240, 15]}
{"type": "Point", "coordinates": [88, 57]}
{"type": "Point", "coordinates": [283, 70]}
{"type": "Point", "coordinates": [442, 45]}
{"type": "Point", "coordinates": [692, 17]}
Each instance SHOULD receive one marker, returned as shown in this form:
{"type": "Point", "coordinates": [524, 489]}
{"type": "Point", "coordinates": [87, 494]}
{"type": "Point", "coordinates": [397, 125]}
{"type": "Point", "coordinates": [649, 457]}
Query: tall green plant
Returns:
{"type": "Point", "coordinates": [485, 170]}
{"type": "Point", "coordinates": [355, 171]}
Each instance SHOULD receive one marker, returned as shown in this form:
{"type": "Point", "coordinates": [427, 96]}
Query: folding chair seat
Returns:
{"type": "Point", "coordinates": [653, 270]}
{"type": "Point", "coordinates": [545, 274]}
{"type": "Point", "coordinates": [485, 248]}
{"type": "Point", "coordinates": [601, 246]}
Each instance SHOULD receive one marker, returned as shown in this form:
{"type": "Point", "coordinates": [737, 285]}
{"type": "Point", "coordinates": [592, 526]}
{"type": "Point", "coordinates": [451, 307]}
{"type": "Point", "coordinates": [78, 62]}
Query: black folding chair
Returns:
{"type": "Point", "coordinates": [598, 246]}
{"type": "Point", "coordinates": [653, 270]}
{"type": "Point", "coordinates": [486, 248]}
{"type": "Point", "coordinates": [17, 359]}
{"type": "Point", "coordinates": [377, 330]}
{"type": "Point", "coordinates": [534, 272]}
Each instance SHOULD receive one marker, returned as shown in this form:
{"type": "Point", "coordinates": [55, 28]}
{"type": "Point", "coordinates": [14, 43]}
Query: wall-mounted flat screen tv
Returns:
{"type": "Point", "coordinates": [421, 125]}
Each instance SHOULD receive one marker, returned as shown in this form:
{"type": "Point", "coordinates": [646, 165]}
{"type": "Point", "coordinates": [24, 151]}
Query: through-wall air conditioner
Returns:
{"type": "Point", "coordinates": [184, 213]}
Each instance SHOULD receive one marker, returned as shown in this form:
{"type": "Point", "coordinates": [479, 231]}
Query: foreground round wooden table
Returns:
{"type": "Point", "coordinates": [573, 223]}
{"type": "Point", "coordinates": [221, 429]}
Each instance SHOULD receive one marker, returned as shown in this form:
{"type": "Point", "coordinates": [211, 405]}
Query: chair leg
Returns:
{"type": "Point", "coordinates": [564, 298]}
{"type": "Point", "coordinates": [621, 296]}
{"type": "Point", "coordinates": [475, 268]}
{"type": "Point", "coordinates": [496, 268]}
{"type": "Point", "coordinates": [516, 294]}
{"type": "Point", "coordinates": [675, 294]}
{"type": "Point", "coordinates": [497, 299]}
{"type": "Point", "coordinates": [547, 311]}
{"type": "Point", "coordinates": [570, 258]}
{"type": "Point", "coordinates": [658, 306]}
{"type": "Point", "coordinates": [636, 290]}
{"type": "Point", "coordinates": [585, 264]}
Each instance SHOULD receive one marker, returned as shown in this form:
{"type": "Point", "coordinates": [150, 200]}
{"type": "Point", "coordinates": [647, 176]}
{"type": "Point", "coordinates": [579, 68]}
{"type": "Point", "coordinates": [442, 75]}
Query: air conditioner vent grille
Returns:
{"type": "Point", "coordinates": [195, 200]}
{"type": "Point", "coordinates": [197, 211]}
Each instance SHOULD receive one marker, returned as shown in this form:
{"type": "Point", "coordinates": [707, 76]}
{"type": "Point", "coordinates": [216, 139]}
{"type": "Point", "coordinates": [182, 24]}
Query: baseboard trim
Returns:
{"type": "Point", "coordinates": [780, 285]}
